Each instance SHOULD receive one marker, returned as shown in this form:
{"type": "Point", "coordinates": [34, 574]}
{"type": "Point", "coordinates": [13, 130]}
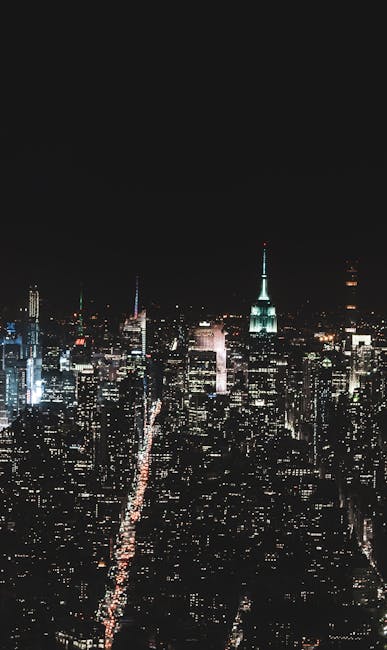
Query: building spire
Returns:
{"type": "Point", "coordinates": [80, 313]}
{"type": "Point", "coordinates": [136, 299]}
{"type": "Point", "coordinates": [264, 295]}
{"type": "Point", "coordinates": [263, 316]}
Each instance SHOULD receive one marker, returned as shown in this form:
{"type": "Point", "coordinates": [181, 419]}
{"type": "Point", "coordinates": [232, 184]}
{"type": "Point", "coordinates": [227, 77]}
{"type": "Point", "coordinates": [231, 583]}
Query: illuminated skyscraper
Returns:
{"type": "Point", "coordinates": [263, 316]}
{"type": "Point", "coordinates": [201, 384]}
{"type": "Point", "coordinates": [80, 328]}
{"type": "Point", "coordinates": [175, 380]}
{"type": "Point", "coordinates": [86, 413]}
{"type": "Point", "coordinates": [207, 372]}
{"type": "Point", "coordinates": [266, 382]}
{"type": "Point", "coordinates": [80, 354]}
{"type": "Point", "coordinates": [133, 332]}
{"type": "Point", "coordinates": [84, 381]}
{"type": "Point", "coordinates": [210, 337]}
{"type": "Point", "coordinates": [12, 364]}
{"type": "Point", "coordinates": [33, 349]}
{"type": "Point", "coordinates": [362, 360]}
{"type": "Point", "coordinates": [351, 310]}
{"type": "Point", "coordinates": [322, 407]}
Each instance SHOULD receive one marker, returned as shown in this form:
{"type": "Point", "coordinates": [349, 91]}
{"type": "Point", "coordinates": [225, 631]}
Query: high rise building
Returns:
{"type": "Point", "coordinates": [322, 407]}
{"type": "Point", "coordinates": [263, 315]}
{"type": "Point", "coordinates": [362, 359]}
{"type": "Point", "coordinates": [80, 328]}
{"type": "Point", "coordinates": [86, 401]}
{"type": "Point", "coordinates": [351, 308]}
{"type": "Point", "coordinates": [207, 373]}
{"type": "Point", "coordinates": [310, 365]}
{"type": "Point", "coordinates": [210, 337]}
{"type": "Point", "coordinates": [13, 370]}
{"type": "Point", "coordinates": [122, 427]}
{"type": "Point", "coordinates": [175, 388]}
{"type": "Point", "coordinates": [33, 349]}
{"type": "Point", "coordinates": [201, 384]}
{"type": "Point", "coordinates": [80, 353]}
{"type": "Point", "coordinates": [237, 361]}
{"type": "Point", "coordinates": [133, 334]}
{"type": "Point", "coordinates": [266, 369]}
{"type": "Point", "coordinates": [85, 381]}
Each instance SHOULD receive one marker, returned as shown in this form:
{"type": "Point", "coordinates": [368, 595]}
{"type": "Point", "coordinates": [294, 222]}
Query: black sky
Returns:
{"type": "Point", "coordinates": [185, 192]}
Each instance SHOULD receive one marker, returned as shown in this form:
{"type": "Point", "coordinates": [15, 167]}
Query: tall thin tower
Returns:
{"type": "Point", "coordinates": [266, 370]}
{"type": "Point", "coordinates": [134, 329]}
{"type": "Point", "coordinates": [351, 308]}
{"type": "Point", "coordinates": [33, 349]}
{"type": "Point", "coordinates": [263, 316]}
{"type": "Point", "coordinates": [136, 299]}
{"type": "Point", "coordinates": [80, 326]}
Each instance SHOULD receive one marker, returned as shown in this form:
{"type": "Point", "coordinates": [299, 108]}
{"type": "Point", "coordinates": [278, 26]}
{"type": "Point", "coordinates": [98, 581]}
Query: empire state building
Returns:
{"type": "Point", "coordinates": [266, 371]}
{"type": "Point", "coordinates": [263, 316]}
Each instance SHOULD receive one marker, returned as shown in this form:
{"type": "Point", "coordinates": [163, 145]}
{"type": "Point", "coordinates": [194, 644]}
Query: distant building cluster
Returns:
{"type": "Point", "coordinates": [21, 363]}
{"type": "Point", "coordinates": [177, 480]}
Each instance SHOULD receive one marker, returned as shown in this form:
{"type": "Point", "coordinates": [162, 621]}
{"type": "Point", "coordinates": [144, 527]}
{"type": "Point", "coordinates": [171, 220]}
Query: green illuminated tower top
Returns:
{"type": "Point", "coordinates": [263, 315]}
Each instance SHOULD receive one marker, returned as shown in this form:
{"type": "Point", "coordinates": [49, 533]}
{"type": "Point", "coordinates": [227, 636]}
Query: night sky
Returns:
{"type": "Point", "coordinates": [188, 207]}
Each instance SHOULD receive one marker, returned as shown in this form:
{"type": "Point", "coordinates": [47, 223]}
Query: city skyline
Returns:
{"type": "Point", "coordinates": [317, 283]}
{"type": "Point", "coordinates": [196, 479]}
{"type": "Point", "coordinates": [193, 366]}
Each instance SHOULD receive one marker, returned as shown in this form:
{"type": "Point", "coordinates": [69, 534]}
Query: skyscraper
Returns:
{"type": "Point", "coordinates": [33, 349]}
{"type": "Point", "coordinates": [263, 316]}
{"type": "Point", "coordinates": [322, 407]}
{"type": "Point", "coordinates": [80, 354]}
{"type": "Point", "coordinates": [80, 328]}
{"type": "Point", "coordinates": [266, 415]}
{"type": "Point", "coordinates": [210, 337]}
{"type": "Point", "coordinates": [13, 367]}
{"type": "Point", "coordinates": [201, 384]}
{"type": "Point", "coordinates": [133, 332]}
{"type": "Point", "coordinates": [351, 310]}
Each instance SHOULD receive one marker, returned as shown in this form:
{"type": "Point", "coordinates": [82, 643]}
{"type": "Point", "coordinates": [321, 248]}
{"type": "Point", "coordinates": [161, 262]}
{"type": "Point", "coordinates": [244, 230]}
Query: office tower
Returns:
{"type": "Point", "coordinates": [122, 426]}
{"type": "Point", "coordinates": [80, 353]}
{"type": "Point", "coordinates": [310, 364]}
{"type": "Point", "coordinates": [174, 391]}
{"type": "Point", "coordinates": [33, 349]}
{"type": "Point", "coordinates": [80, 385]}
{"type": "Point", "coordinates": [362, 359]}
{"type": "Point", "coordinates": [207, 375]}
{"type": "Point", "coordinates": [237, 362]}
{"type": "Point", "coordinates": [13, 367]}
{"type": "Point", "coordinates": [133, 336]}
{"type": "Point", "coordinates": [87, 403]}
{"type": "Point", "coordinates": [323, 385]}
{"type": "Point", "coordinates": [201, 384]}
{"type": "Point", "coordinates": [351, 308]}
{"type": "Point", "coordinates": [293, 395]}
{"type": "Point", "coordinates": [265, 373]}
{"type": "Point", "coordinates": [210, 337]}
{"type": "Point", "coordinates": [365, 437]}
{"type": "Point", "coordinates": [79, 358]}
{"type": "Point", "coordinates": [322, 408]}
{"type": "Point", "coordinates": [131, 404]}
{"type": "Point", "coordinates": [80, 326]}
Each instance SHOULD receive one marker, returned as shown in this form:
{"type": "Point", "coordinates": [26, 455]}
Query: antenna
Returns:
{"type": "Point", "coordinates": [136, 299]}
